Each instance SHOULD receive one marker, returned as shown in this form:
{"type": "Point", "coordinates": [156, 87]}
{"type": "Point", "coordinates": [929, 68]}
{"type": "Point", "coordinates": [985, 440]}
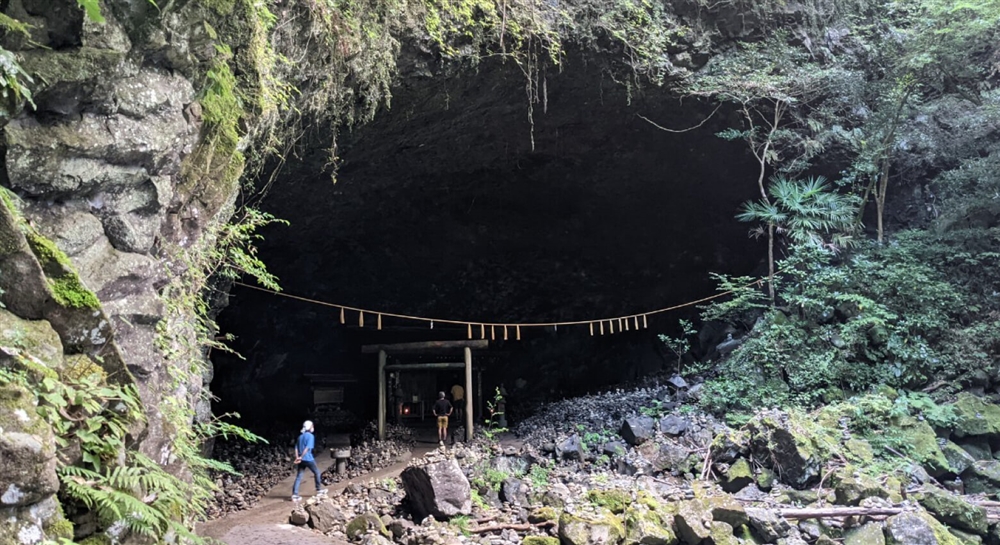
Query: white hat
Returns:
{"type": "Point", "coordinates": [307, 426]}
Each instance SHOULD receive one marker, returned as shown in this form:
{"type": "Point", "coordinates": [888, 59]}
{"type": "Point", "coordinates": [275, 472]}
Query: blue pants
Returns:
{"type": "Point", "coordinates": [311, 466]}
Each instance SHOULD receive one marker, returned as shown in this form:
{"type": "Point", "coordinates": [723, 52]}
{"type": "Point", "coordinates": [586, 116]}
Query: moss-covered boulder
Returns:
{"type": "Point", "coordinates": [977, 447]}
{"type": "Point", "coordinates": [41, 522]}
{"type": "Point", "coordinates": [615, 499]}
{"type": "Point", "coordinates": [645, 526]}
{"type": "Point", "coordinates": [543, 514]}
{"type": "Point", "coordinates": [958, 459]}
{"type": "Point", "coordinates": [362, 524]}
{"type": "Point", "coordinates": [765, 479]}
{"type": "Point", "coordinates": [859, 451]}
{"type": "Point", "coordinates": [923, 445]}
{"type": "Point", "coordinates": [600, 528]}
{"type": "Point", "coordinates": [693, 521]}
{"type": "Point", "coordinates": [966, 538]}
{"type": "Point", "coordinates": [722, 534]}
{"type": "Point", "coordinates": [726, 509]}
{"type": "Point", "coordinates": [954, 511]}
{"type": "Point", "coordinates": [982, 477]}
{"type": "Point", "coordinates": [540, 540]}
{"type": "Point", "coordinates": [730, 445]}
{"type": "Point", "coordinates": [738, 476]}
{"type": "Point", "coordinates": [794, 443]}
{"type": "Point", "coordinates": [917, 529]}
{"type": "Point", "coordinates": [27, 450]}
{"type": "Point", "coordinates": [869, 534]}
{"type": "Point", "coordinates": [35, 337]}
{"type": "Point", "coordinates": [974, 417]}
{"type": "Point", "coordinates": [852, 486]}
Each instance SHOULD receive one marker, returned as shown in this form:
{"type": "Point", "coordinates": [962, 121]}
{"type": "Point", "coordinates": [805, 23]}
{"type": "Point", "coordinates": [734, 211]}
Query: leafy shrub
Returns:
{"type": "Point", "coordinates": [882, 315]}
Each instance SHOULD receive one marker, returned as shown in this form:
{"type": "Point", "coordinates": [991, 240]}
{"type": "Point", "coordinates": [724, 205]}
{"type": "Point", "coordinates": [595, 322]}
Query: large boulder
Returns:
{"type": "Point", "coordinates": [974, 417]}
{"type": "Point", "coordinates": [637, 430]}
{"type": "Point", "coordinates": [693, 522]}
{"type": "Point", "coordinates": [958, 459]}
{"type": "Point", "coordinates": [738, 476]}
{"type": "Point", "coordinates": [954, 511]}
{"type": "Point", "coordinates": [869, 534]}
{"type": "Point", "coordinates": [644, 526]}
{"type": "Point", "coordinates": [364, 524]}
{"type": "Point", "coordinates": [324, 515]}
{"type": "Point", "coordinates": [982, 477]}
{"type": "Point", "coordinates": [439, 489]}
{"type": "Point", "coordinates": [514, 491]}
{"type": "Point", "coordinates": [669, 456]}
{"type": "Point", "coordinates": [570, 449]}
{"type": "Point", "coordinates": [851, 486]}
{"type": "Point", "coordinates": [768, 524]}
{"type": "Point", "coordinates": [673, 425]}
{"type": "Point", "coordinates": [788, 441]}
{"type": "Point", "coordinates": [601, 528]}
{"type": "Point", "coordinates": [917, 529]}
{"type": "Point", "coordinates": [27, 450]}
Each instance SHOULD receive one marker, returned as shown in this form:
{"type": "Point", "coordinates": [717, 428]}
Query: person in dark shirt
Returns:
{"type": "Point", "coordinates": [442, 410]}
{"type": "Point", "coordinates": [304, 459]}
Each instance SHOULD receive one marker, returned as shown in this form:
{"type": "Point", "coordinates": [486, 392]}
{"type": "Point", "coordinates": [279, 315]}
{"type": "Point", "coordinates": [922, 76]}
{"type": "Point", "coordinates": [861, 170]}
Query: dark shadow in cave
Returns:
{"type": "Point", "coordinates": [442, 209]}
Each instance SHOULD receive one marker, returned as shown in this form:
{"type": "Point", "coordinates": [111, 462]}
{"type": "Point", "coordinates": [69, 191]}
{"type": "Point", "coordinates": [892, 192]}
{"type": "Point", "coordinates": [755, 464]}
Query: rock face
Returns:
{"type": "Point", "coordinates": [917, 529]}
{"type": "Point", "coordinates": [439, 489]}
{"type": "Point", "coordinates": [954, 511]}
{"type": "Point", "coordinates": [28, 451]}
{"type": "Point", "coordinates": [599, 529]}
{"type": "Point", "coordinates": [982, 477]}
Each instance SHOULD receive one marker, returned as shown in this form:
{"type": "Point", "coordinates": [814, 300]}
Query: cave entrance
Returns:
{"type": "Point", "coordinates": [453, 204]}
{"type": "Point", "coordinates": [409, 392]}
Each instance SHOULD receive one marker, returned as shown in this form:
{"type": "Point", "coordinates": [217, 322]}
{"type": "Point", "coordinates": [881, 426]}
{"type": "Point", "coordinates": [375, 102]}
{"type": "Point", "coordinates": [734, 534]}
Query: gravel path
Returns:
{"type": "Point", "coordinates": [267, 523]}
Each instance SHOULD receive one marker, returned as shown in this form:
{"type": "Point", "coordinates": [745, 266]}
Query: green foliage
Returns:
{"type": "Point", "coordinates": [951, 46]}
{"type": "Point", "coordinates": [13, 89]}
{"type": "Point", "coordinates": [491, 424]}
{"type": "Point", "coordinates": [883, 315]}
{"type": "Point", "coordinates": [680, 345]}
{"type": "Point", "coordinates": [538, 475]}
{"type": "Point", "coordinates": [805, 211]}
{"type": "Point", "coordinates": [95, 418]}
{"type": "Point", "coordinates": [92, 8]}
{"type": "Point", "coordinates": [477, 499]}
{"type": "Point", "coordinates": [461, 522]}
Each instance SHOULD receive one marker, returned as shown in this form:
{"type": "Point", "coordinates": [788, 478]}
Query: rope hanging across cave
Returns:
{"type": "Point", "coordinates": [597, 326]}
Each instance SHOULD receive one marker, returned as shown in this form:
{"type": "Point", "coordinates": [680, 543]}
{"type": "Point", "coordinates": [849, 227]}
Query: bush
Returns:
{"type": "Point", "coordinates": [919, 307]}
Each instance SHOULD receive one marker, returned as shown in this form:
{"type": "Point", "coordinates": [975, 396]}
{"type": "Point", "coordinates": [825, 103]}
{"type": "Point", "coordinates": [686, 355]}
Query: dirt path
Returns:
{"type": "Point", "coordinates": [267, 522]}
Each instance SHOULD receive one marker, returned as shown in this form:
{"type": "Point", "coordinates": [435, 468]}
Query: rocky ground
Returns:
{"type": "Point", "coordinates": [260, 467]}
{"type": "Point", "coordinates": [639, 467]}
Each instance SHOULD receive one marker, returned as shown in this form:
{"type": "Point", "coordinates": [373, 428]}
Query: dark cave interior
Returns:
{"type": "Point", "coordinates": [441, 208]}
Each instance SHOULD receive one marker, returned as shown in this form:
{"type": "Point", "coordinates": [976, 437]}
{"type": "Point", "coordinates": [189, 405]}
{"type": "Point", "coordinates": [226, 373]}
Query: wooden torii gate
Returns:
{"type": "Point", "coordinates": [426, 347]}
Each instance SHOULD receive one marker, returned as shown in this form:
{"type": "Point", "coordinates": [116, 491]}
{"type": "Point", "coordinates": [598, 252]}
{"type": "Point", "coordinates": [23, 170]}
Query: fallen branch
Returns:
{"type": "Point", "coordinates": [836, 512]}
{"type": "Point", "coordinates": [515, 527]}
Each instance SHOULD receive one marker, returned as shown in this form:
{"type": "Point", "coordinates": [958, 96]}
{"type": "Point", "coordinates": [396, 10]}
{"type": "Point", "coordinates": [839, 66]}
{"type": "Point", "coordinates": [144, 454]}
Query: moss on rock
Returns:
{"type": "Point", "coordinates": [975, 417]}
{"type": "Point", "coordinates": [647, 527]}
{"type": "Point", "coordinates": [540, 540]}
{"type": "Point", "coordinates": [602, 527]}
{"type": "Point", "coordinates": [67, 289]}
{"type": "Point", "coordinates": [740, 474]}
{"type": "Point", "coordinates": [615, 500]}
{"type": "Point", "coordinates": [953, 510]}
{"type": "Point", "coordinates": [869, 534]}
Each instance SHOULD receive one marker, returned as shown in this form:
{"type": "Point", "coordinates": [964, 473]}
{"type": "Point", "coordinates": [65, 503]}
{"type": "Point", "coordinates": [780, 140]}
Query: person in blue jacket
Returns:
{"type": "Point", "coordinates": [304, 459]}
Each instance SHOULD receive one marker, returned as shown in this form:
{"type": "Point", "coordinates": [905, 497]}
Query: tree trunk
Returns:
{"type": "Point", "coordinates": [883, 188]}
{"type": "Point", "coordinates": [770, 261]}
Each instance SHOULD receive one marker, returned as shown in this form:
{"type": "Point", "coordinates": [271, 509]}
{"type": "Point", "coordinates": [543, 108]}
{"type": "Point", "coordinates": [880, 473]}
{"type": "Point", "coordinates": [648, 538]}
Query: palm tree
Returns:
{"type": "Point", "coordinates": [804, 211]}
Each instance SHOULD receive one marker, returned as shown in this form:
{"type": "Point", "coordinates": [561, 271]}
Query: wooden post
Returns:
{"type": "Point", "coordinates": [468, 394]}
{"type": "Point", "coordinates": [381, 394]}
